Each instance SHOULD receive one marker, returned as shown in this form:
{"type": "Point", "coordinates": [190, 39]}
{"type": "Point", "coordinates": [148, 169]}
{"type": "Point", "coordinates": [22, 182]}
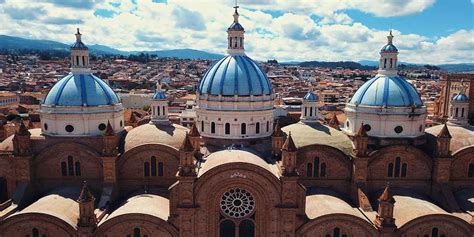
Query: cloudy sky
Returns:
{"type": "Point", "coordinates": [426, 31]}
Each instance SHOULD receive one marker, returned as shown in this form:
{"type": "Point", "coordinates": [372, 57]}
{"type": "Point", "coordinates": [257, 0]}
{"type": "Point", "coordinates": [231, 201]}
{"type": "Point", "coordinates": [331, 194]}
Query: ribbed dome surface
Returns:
{"type": "Point", "coordinates": [387, 91]}
{"type": "Point", "coordinates": [310, 96]}
{"type": "Point", "coordinates": [236, 26]}
{"type": "Point", "coordinates": [235, 75]}
{"type": "Point", "coordinates": [159, 95]}
{"type": "Point", "coordinates": [460, 98]}
{"type": "Point", "coordinates": [81, 90]}
{"type": "Point", "coordinates": [389, 47]}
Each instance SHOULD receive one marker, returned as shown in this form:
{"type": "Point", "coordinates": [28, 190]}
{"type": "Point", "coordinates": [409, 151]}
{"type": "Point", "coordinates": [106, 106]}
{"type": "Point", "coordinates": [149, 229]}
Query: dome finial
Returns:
{"type": "Point", "coordinates": [462, 91]}
{"type": "Point", "coordinates": [78, 36]}
{"type": "Point", "coordinates": [390, 38]}
{"type": "Point", "coordinates": [236, 13]}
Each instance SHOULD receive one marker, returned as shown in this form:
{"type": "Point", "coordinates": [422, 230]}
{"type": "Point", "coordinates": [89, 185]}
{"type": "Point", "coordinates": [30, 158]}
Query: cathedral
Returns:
{"type": "Point", "coordinates": [237, 172]}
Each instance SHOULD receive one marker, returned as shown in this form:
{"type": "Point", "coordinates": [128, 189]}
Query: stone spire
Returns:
{"type": "Point", "coordinates": [235, 35]}
{"type": "Point", "coordinates": [109, 131]}
{"type": "Point", "coordinates": [86, 195]}
{"type": "Point", "coordinates": [443, 141]}
{"type": "Point", "coordinates": [22, 141]}
{"type": "Point", "coordinates": [87, 219]}
{"type": "Point", "coordinates": [384, 219]}
{"type": "Point", "coordinates": [289, 157]}
{"type": "Point", "coordinates": [388, 58]}
{"type": "Point", "coordinates": [361, 140]}
{"type": "Point", "coordinates": [278, 139]}
{"type": "Point", "coordinates": [195, 137]}
{"type": "Point", "coordinates": [110, 139]}
{"type": "Point", "coordinates": [186, 158]}
{"type": "Point", "coordinates": [334, 122]}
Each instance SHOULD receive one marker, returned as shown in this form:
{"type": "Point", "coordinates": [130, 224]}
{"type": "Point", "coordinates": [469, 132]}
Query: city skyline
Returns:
{"type": "Point", "coordinates": [323, 31]}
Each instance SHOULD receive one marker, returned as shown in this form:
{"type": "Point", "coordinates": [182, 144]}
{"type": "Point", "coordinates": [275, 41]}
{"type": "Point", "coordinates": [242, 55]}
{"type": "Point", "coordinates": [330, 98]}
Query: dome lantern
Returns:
{"type": "Point", "coordinates": [79, 55]}
{"type": "Point", "coordinates": [459, 108]}
{"type": "Point", "coordinates": [159, 106]}
{"type": "Point", "coordinates": [235, 36]}
{"type": "Point", "coordinates": [309, 108]}
{"type": "Point", "coordinates": [388, 58]}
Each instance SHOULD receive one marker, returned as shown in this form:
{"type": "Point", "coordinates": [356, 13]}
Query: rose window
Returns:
{"type": "Point", "coordinates": [237, 203]}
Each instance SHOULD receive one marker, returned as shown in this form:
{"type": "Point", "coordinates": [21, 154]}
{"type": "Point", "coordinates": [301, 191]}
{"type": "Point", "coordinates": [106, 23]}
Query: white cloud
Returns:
{"type": "Point", "coordinates": [292, 34]}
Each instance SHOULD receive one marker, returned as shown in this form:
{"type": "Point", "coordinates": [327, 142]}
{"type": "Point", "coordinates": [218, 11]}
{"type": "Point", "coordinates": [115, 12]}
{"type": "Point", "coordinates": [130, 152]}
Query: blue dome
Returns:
{"type": "Point", "coordinates": [81, 90]}
{"type": "Point", "coordinates": [460, 98]}
{"type": "Point", "coordinates": [159, 95]}
{"type": "Point", "coordinates": [79, 45]}
{"type": "Point", "coordinates": [386, 91]}
{"type": "Point", "coordinates": [310, 96]}
{"type": "Point", "coordinates": [389, 48]}
{"type": "Point", "coordinates": [235, 75]}
{"type": "Point", "coordinates": [236, 26]}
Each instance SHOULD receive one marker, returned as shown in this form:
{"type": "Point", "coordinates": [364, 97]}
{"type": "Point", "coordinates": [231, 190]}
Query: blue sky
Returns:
{"type": "Point", "coordinates": [426, 31]}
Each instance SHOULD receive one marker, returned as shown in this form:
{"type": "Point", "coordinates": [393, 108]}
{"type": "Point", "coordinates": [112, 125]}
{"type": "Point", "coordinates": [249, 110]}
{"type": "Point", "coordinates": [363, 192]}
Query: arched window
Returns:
{"type": "Point", "coordinates": [257, 128]}
{"type": "Point", "coordinates": [213, 127]}
{"type": "Point", "coordinates": [385, 63]}
{"type": "Point", "coordinates": [457, 112]}
{"type": "Point", "coordinates": [243, 129]}
{"type": "Point", "coordinates": [83, 61]}
{"type": "Point", "coordinates": [35, 232]}
{"type": "Point", "coordinates": [70, 166]}
{"type": "Point", "coordinates": [470, 173]}
{"type": "Point", "coordinates": [434, 232]}
{"type": "Point", "coordinates": [246, 229]}
{"type": "Point", "coordinates": [63, 168]}
{"type": "Point", "coordinates": [78, 168]}
{"type": "Point", "coordinates": [230, 42]}
{"type": "Point", "coordinates": [323, 170]}
{"type": "Point", "coordinates": [153, 166]}
{"type": "Point", "coordinates": [164, 111]}
{"type": "Point", "coordinates": [391, 63]}
{"type": "Point", "coordinates": [390, 170]}
{"type": "Point", "coordinates": [227, 128]}
{"type": "Point", "coordinates": [462, 113]}
{"type": "Point", "coordinates": [227, 229]}
{"type": "Point", "coordinates": [158, 110]}
{"type": "Point", "coordinates": [136, 232]}
{"type": "Point", "coordinates": [310, 111]}
{"type": "Point", "coordinates": [316, 167]}
{"type": "Point", "coordinates": [305, 111]}
{"type": "Point", "coordinates": [397, 166]}
{"type": "Point", "coordinates": [146, 169]}
{"type": "Point", "coordinates": [336, 232]}
{"type": "Point", "coordinates": [202, 126]}
{"type": "Point", "coordinates": [404, 170]}
{"type": "Point", "coordinates": [77, 60]}
{"type": "Point", "coordinates": [160, 169]}
{"type": "Point", "coordinates": [309, 169]}
{"type": "Point", "coordinates": [268, 126]}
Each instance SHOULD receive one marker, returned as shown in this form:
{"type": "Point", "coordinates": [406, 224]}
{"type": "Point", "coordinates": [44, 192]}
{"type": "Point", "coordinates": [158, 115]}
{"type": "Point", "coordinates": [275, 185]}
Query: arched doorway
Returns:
{"type": "Point", "coordinates": [237, 214]}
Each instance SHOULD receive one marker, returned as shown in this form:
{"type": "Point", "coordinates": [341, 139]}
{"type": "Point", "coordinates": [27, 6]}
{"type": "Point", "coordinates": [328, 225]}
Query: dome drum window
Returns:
{"type": "Point", "coordinates": [398, 129]}
{"type": "Point", "coordinates": [102, 127]}
{"type": "Point", "coordinates": [367, 127]}
{"type": "Point", "coordinates": [237, 203]}
{"type": "Point", "coordinates": [69, 128]}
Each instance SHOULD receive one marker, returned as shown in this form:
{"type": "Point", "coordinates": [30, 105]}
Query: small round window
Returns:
{"type": "Point", "coordinates": [398, 129]}
{"type": "Point", "coordinates": [102, 126]}
{"type": "Point", "coordinates": [69, 128]}
{"type": "Point", "coordinates": [45, 126]}
{"type": "Point", "coordinates": [367, 127]}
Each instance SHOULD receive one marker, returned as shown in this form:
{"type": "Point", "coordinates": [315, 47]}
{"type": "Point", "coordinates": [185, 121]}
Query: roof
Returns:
{"type": "Point", "coordinates": [159, 95]}
{"type": "Point", "coordinates": [461, 98]}
{"type": "Point", "coordinates": [7, 144]}
{"type": "Point", "coordinates": [235, 75]}
{"type": "Point", "coordinates": [385, 90]}
{"type": "Point", "coordinates": [81, 90]}
{"type": "Point", "coordinates": [60, 204]}
{"type": "Point", "coordinates": [166, 134]}
{"type": "Point", "coordinates": [289, 144]}
{"type": "Point", "coordinates": [236, 26]}
{"type": "Point", "coordinates": [321, 202]}
{"type": "Point", "coordinates": [389, 48]}
{"type": "Point", "coordinates": [305, 134]}
{"type": "Point", "coordinates": [462, 136]}
{"type": "Point", "coordinates": [148, 204]}
{"type": "Point", "coordinates": [310, 96]}
{"type": "Point", "coordinates": [236, 156]}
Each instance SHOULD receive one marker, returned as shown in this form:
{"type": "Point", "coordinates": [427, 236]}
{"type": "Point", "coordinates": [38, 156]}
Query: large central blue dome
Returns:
{"type": "Point", "coordinates": [81, 90]}
{"type": "Point", "coordinates": [387, 91]}
{"type": "Point", "coordinates": [235, 75]}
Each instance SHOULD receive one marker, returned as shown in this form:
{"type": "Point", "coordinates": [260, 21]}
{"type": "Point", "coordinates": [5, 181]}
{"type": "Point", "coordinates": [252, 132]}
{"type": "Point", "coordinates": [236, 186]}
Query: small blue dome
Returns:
{"type": "Point", "coordinates": [79, 45]}
{"type": "Point", "coordinates": [387, 91]}
{"type": "Point", "coordinates": [310, 96]}
{"type": "Point", "coordinates": [235, 75]}
{"type": "Point", "coordinates": [389, 48]}
{"type": "Point", "coordinates": [461, 98]}
{"type": "Point", "coordinates": [236, 26]}
{"type": "Point", "coordinates": [159, 95]}
{"type": "Point", "coordinates": [81, 90]}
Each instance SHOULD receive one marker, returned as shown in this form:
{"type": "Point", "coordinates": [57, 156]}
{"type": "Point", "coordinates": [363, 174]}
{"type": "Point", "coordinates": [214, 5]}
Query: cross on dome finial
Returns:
{"type": "Point", "coordinates": [78, 36]}
{"type": "Point", "coordinates": [390, 37]}
{"type": "Point", "coordinates": [236, 13]}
